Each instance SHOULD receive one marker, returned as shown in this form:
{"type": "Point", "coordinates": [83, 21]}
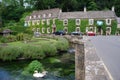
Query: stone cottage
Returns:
{"type": "Point", "coordinates": [118, 26]}
{"type": "Point", "coordinates": [95, 20]}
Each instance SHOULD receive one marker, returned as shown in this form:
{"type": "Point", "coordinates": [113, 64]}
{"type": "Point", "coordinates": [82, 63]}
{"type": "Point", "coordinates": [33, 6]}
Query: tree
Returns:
{"type": "Point", "coordinates": [117, 7]}
{"type": "Point", "coordinates": [44, 4]}
{"type": "Point", "coordinates": [92, 6]}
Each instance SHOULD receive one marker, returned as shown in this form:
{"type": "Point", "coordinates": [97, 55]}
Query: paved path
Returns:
{"type": "Point", "coordinates": [94, 66]}
{"type": "Point", "coordinates": [108, 49]}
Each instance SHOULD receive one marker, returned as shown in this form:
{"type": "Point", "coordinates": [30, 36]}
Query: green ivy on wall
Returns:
{"type": "Point", "coordinates": [71, 25]}
{"type": "Point", "coordinates": [114, 27]}
{"type": "Point", "coordinates": [59, 24]}
{"type": "Point", "coordinates": [83, 25]}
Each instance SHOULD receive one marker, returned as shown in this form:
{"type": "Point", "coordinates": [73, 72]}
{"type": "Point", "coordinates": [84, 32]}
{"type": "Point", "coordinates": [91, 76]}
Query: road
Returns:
{"type": "Point", "coordinates": [108, 49]}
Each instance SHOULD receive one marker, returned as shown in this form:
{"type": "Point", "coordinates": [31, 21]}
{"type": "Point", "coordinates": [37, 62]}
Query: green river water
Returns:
{"type": "Point", "coordinates": [61, 67]}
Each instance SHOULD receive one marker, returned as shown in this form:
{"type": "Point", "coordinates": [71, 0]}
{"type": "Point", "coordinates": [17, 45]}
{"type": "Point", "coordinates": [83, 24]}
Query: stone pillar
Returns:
{"type": "Point", "coordinates": [79, 61]}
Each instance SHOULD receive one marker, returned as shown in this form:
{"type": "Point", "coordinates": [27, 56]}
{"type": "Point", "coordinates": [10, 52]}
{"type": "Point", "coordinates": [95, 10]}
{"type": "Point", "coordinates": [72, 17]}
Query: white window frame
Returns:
{"type": "Point", "coordinates": [91, 29]}
{"type": "Point", "coordinates": [108, 28]}
{"type": "Point", "coordinates": [77, 28]}
{"type": "Point", "coordinates": [48, 21]}
{"type": "Point", "coordinates": [91, 21]}
{"type": "Point", "coordinates": [43, 30]}
{"type": "Point", "coordinates": [33, 22]}
{"type": "Point", "coordinates": [38, 22]}
{"type": "Point", "coordinates": [78, 21]}
{"type": "Point", "coordinates": [43, 21]}
{"type": "Point", "coordinates": [65, 22]}
{"type": "Point", "coordinates": [53, 21]}
{"type": "Point", "coordinates": [108, 21]}
{"type": "Point", "coordinates": [33, 29]}
{"type": "Point", "coordinates": [66, 29]}
{"type": "Point", "coordinates": [38, 29]}
{"type": "Point", "coordinates": [48, 30]}
{"type": "Point", "coordinates": [86, 29]}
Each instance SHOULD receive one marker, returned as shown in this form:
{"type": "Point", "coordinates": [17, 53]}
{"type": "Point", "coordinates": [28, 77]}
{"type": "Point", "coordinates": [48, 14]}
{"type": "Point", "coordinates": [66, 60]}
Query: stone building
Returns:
{"type": "Point", "coordinates": [118, 26]}
{"type": "Point", "coordinates": [95, 20]}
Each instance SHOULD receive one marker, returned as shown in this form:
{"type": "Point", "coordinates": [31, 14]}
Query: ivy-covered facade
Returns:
{"type": "Point", "coordinates": [51, 20]}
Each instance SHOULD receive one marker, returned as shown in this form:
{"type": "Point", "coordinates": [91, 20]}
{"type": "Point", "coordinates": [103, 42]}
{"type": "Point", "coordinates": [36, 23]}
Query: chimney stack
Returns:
{"type": "Point", "coordinates": [113, 8]}
{"type": "Point", "coordinates": [85, 9]}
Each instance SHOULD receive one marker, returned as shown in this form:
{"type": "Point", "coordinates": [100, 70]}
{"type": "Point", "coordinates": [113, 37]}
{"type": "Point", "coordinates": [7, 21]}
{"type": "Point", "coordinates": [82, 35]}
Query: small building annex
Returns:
{"type": "Point", "coordinates": [48, 21]}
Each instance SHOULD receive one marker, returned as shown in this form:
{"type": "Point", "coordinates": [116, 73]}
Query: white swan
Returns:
{"type": "Point", "coordinates": [38, 74]}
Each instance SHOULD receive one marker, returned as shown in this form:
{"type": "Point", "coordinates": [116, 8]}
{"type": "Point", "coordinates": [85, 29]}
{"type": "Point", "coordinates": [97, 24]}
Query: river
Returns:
{"type": "Point", "coordinates": [63, 70]}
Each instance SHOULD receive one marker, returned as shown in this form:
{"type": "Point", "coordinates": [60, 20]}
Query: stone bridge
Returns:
{"type": "Point", "coordinates": [88, 65]}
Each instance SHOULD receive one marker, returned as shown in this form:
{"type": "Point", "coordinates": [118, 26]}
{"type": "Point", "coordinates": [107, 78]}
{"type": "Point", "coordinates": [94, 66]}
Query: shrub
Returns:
{"type": "Point", "coordinates": [22, 36]}
{"type": "Point", "coordinates": [3, 40]}
{"type": "Point", "coordinates": [33, 52]}
{"type": "Point", "coordinates": [9, 53]}
{"type": "Point", "coordinates": [34, 65]}
{"type": "Point", "coordinates": [11, 38]}
{"type": "Point", "coordinates": [62, 44]}
{"type": "Point", "coordinates": [49, 49]}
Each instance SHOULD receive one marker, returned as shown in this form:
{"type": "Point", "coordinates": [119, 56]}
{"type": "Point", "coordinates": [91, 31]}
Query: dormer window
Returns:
{"type": "Point", "coordinates": [50, 15]}
{"type": "Point", "coordinates": [108, 21]}
{"type": "Point", "coordinates": [44, 15]}
{"type": "Point", "coordinates": [34, 16]}
{"type": "Point", "coordinates": [30, 17]}
{"type": "Point", "coordinates": [77, 21]}
{"type": "Point", "coordinates": [65, 22]}
{"type": "Point", "coordinates": [91, 21]}
{"type": "Point", "coordinates": [39, 16]}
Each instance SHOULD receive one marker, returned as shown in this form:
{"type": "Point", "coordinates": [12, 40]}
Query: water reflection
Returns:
{"type": "Point", "coordinates": [4, 75]}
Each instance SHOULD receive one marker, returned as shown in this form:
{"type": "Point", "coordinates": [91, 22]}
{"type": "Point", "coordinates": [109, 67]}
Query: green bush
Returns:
{"type": "Point", "coordinates": [23, 36]}
{"type": "Point", "coordinates": [49, 49]}
{"type": "Point", "coordinates": [62, 44]}
{"type": "Point", "coordinates": [9, 53]}
{"type": "Point", "coordinates": [20, 37]}
{"type": "Point", "coordinates": [3, 40]}
{"type": "Point", "coordinates": [9, 38]}
{"type": "Point", "coordinates": [33, 52]}
{"type": "Point", "coordinates": [33, 66]}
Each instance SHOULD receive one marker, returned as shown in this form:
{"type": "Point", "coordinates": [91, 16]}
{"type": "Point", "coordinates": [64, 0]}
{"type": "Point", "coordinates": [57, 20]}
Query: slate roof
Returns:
{"type": "Point", "coordinates": [74, 15]}
{"type": "Point", "coordinates": [118, 20]}
{"type": "Point", "coordinates": [54, 14]}
{"type": "Point", "coordinates": [88, 15]}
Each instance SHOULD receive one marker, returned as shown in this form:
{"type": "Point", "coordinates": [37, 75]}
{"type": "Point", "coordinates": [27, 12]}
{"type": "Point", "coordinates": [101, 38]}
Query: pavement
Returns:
{"type": "Point", "coordinates": [95, 68]}
{"type": "Point", "coordinates": [108, 49]}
